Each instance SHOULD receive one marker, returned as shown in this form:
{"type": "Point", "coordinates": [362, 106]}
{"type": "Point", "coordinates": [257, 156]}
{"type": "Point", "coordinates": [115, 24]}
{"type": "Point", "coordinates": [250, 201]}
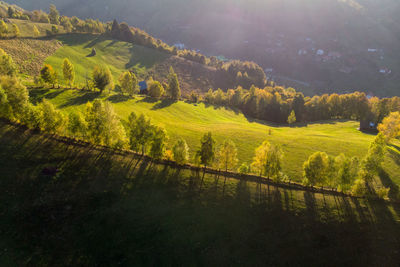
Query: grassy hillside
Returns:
{"type": "Point", "coordinates": [106, 209]}
{"type": "Point", "coordinates": [121, 56]}
{"type": "Point", "coordinates": [192, 121]}
{"type": "Point", "coordinates": [26, 27]}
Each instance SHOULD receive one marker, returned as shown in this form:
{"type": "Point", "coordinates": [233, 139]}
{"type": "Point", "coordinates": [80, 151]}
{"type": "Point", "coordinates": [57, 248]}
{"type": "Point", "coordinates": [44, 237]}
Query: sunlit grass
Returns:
{"type": "Point", "coordinates": [191, 121]}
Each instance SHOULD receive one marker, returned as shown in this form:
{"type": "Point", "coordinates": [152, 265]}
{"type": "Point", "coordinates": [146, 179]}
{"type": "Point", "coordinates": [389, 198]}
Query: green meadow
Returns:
{"type": "Point", "coordinates": [117, 56]}
{"type": "Point", "coordinates": [191, 121]}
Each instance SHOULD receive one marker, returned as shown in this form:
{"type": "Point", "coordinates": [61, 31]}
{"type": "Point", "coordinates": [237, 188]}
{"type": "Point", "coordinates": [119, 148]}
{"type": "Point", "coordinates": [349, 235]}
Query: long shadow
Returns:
{"type": "Point", "coordinates": [387, 182]}
{"type": "Point", "coordinates": [92, 210]}
{"type": "Point", "coordinates": [149, 100]}
{"type": "Point", "coordinates": [94, 42]}
{"type": "Point", "coordinates": [163, 104]}
{"type": "Point", "coordinates": [118, 98]}
{"type": "Point", "coordinates": [394, 154]}
{"type": "Point", "coordinates": [82, 99]}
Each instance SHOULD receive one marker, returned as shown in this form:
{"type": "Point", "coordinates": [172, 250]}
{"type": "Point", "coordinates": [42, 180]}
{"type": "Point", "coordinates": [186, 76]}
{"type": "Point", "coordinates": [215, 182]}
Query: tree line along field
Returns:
{"type": "Point", "coordinates": [103, 208]}
{"type": "Point", "coordinates": [189, 121]}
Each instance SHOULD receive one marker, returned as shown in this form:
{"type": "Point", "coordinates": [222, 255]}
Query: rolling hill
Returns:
{"type": "Point", "coordinates": [273, 33]}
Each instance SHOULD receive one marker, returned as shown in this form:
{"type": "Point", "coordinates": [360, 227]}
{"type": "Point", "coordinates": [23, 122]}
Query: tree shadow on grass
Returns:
{"type": "Point", "coordinates": [83, 98]}
{"type": "Point", "coordinates": [163, 104]}
{"type": "Point", "coordinates": [118, 98]}
{"type": "Point", "coordinates": [387, 182]}
{"type": "Point", "coordinates": [149, 99]}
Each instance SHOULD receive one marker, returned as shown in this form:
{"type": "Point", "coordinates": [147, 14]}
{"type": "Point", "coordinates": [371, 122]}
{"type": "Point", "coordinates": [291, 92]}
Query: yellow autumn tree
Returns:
{"type": "Point", "coordinates": [390, 126]}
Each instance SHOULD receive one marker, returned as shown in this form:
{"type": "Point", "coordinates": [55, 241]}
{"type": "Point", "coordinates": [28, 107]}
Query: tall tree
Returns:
{"type": "Point", "coordinates": [181, 152]}
{"type": "Point", "coordinates": [157, 147]}
{"type": "Point", "coordinates": [227, 155]}
{"type": "Point", "coordinates": [373, 160]}
{"type": "Point", "coordinates": [17, 96]}
{"type": "Point", "coordinates": [316, 169]}
{"type": "Point", "coordinates": [207, 149]}
{"type": "Point", "coordinates": [140, 132]}
{"type": "Point", "coordinates": [54, 15]}
{"type": "Point", "coordinates": [129, 83]}
{"type": "Point", "coordinates": [77, 126]}
{"type": "Point", "coordinates": [102, 78]}
{"type": "Point", "coordinates": [174, 90]}
{"type": "Point", "coordinates": [268, 159]}
{"type": "Point", "coordinates": [49, 75]}
{"type": "Point", "coordinates": [51, 119]}
{"type": "Point", "coordinates": [68, 71]}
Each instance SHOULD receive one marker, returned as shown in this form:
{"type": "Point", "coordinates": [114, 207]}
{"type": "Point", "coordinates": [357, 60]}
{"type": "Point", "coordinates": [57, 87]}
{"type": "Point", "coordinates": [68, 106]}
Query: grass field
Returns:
{"type": "Point", "coordinates": [26, 27]}
{"type": "Point", "coordinates": [106, 209]}
{"type": "Point", "coordinates": [191, 121]}
{"type": "Point", "coordinates": [118, 56]}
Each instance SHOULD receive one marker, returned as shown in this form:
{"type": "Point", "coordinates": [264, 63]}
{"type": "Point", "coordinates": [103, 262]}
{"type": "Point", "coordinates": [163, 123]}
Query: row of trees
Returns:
{"type": "Point", "coordinates": [100, 124]}
{"type": "Point", "coordinates": [103, 79]}
{"type": "Point", "coordinates": [280, 105]}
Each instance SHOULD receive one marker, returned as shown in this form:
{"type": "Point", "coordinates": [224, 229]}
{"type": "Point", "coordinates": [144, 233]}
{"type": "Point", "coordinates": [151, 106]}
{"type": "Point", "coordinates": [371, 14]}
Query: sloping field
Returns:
{"type": "Point", "coordinates": [30, 54]}
{"type": "Point", "coordinates": [190, 122]}
{"type": "Point", "coordinates": [105, 209]}
{"type": "Point", "coordinates": [121, 56]}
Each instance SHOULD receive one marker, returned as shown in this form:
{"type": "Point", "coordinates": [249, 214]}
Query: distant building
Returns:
{"type": "Point", "coordinates": [143, 88]}
{"type": "Point", "coordinates": [372, 50]}
{"type": "Point", "coordinates": [320, 52]}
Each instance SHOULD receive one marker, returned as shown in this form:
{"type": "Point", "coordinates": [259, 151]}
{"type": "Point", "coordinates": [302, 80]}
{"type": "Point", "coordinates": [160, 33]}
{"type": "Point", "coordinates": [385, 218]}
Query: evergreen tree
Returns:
{"type": "Point", "coordinates": [174, 90]}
